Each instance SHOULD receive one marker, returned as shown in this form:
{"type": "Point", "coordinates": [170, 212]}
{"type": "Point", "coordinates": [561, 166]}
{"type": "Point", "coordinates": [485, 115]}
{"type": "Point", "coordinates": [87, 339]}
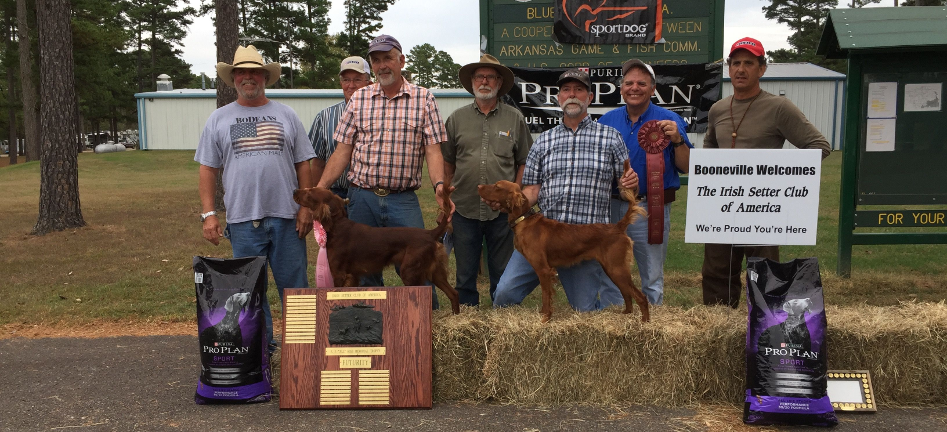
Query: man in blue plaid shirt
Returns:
{"type": "Point", "coordinates": [570, 171]}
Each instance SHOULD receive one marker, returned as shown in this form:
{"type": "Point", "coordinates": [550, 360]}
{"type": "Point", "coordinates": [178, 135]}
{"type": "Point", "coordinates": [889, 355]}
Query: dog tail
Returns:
{"type": "Point", "coordinates": [442, 213]}
{"type": "Point", "coordinates": [634, 210]}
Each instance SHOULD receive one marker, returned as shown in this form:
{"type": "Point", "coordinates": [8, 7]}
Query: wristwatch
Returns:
{"type": "Point", "coordinates": [204, 216]}
{"type": "Point", "coordinates": [678, 144]}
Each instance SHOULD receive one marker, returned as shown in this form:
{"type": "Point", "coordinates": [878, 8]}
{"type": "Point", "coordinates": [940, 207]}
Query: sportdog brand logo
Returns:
{"type": "Point", "coordinates": [596, 20]}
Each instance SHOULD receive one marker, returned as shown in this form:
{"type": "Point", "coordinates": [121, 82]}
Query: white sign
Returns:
{"type": "Point", "coordinates": [923, 97]}
{"type": "Point", "coordinates": [880, 135]}
{"type": "Point", "coordinates": [882, 99]}
{"type": "Point", "coordinates": [753, 197]}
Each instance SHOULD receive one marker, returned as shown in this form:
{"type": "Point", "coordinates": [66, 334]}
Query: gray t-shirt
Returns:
{"type": "Point", "coordinates": [258, 148]}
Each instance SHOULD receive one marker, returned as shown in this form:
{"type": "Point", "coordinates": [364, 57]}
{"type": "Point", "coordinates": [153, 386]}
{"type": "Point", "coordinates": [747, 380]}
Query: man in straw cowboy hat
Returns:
{"type": "Point", "coordinates": [264, 152]}
{"type": "Point", "coordinates": [353, 75]}
{"type": "Point", "coordinates": [487, 141]}
{"type": "Point", "coordinates": [389, 129]}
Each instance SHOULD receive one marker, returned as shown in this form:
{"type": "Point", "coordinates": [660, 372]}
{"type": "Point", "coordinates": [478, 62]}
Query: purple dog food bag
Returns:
{"type": "Point", "coordinates": [234, 360]}
{"type": "Point", "coordinates": [785, 345]}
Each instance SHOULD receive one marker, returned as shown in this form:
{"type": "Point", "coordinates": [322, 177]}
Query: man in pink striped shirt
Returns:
{"type": "Point", "coordinates": [389, 129]}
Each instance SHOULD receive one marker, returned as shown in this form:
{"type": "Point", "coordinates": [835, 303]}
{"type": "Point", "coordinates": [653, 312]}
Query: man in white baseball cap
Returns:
{"type": "Point", "coordinates": [353, 75]}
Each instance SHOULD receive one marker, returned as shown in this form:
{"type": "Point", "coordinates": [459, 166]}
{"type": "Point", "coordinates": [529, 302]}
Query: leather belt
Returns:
{"type": "Point", "coordinates": [382, 192]}
{"type": "Point", "coordinates": [653, 141]}
{"type": "Point", "coordinates": [670, 195]}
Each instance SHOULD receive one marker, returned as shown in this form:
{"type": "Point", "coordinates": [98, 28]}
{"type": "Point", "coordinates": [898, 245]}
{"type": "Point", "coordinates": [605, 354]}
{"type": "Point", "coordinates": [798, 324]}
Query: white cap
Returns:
{"type": "Point", "coordinates": [356, 64]}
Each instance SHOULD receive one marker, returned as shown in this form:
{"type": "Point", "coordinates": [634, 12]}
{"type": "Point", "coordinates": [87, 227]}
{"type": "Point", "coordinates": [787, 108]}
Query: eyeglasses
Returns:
{"type": "Point", "coordinates": [355, 80]}
{"type": "Point", "coordinates": [488, 78]}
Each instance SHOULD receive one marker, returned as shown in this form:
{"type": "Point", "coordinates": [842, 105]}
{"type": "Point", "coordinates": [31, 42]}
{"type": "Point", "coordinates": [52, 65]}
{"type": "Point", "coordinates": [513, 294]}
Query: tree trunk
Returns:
{"type": "Point", "coordinates": [27, 85]}
{"type": "Point", "coordinates": [59, 171]}
{"type": "Point", "coordinates": [11, 94]}
{"type": "Point", "coordinates": [227, 34]}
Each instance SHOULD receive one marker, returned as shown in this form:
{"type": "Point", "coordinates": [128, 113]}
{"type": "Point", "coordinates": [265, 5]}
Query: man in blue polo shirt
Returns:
{"type": "Point", "coordinates": [637, 87]}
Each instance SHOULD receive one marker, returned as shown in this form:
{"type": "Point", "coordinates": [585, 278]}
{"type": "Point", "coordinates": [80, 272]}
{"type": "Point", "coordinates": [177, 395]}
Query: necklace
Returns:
{"type": "Point", "coordinates": [737, 127]}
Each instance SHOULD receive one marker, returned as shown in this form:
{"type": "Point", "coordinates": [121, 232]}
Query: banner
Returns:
{"type": "Point", "coordinates": [753, 196]}
{"type": "Point", "coordinates": [608, 21]}
{"type": "Point", "coordinates": [689, 90]}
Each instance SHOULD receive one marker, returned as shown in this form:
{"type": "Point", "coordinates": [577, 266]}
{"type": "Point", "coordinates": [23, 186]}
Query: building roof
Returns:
{"type": "Point", "coordinates": [280, 93]}
{"type": "Point", "coordinates": [888, 28]}
{"type": "Point", "coordinates": [795, 72]}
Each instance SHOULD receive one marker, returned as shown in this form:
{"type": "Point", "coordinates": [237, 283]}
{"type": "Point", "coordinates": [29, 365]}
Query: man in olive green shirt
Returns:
{"type": "Point", "coordinates": [487, 141]}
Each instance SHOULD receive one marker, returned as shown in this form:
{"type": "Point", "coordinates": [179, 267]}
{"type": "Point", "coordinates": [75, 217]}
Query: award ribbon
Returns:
{"type": "Point", "coordinates": [323, 274]}
{"type": "Point", "coordinates": [653, 141]}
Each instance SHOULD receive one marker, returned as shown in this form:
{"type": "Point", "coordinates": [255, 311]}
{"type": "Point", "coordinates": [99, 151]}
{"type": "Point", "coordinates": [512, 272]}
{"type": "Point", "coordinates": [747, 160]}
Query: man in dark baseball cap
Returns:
{"type": "Point", "coordinates": [384, 43]}
{"type": "Point", "coordinates": [575, 75]}
{"type": "Point", "coordinates": [569, 172]}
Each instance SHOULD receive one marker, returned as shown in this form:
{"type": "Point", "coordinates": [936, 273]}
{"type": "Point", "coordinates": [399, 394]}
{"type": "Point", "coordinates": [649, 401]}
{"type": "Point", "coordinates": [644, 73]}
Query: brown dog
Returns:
{"type": "Point", "coordinates": [548, 244]}
{"type": "Point", "coordinates": [355, 249]}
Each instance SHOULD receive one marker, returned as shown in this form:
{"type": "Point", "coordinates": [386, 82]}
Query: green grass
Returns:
{"type": "Point", "coordinates": [133, 260]}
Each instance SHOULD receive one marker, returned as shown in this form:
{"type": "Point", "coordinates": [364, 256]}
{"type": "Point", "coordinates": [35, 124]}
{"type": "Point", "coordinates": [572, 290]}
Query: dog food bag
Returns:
{"type": "Point", "coordinates": [231, 329]}
{"type": "Point", "coordinates": [785, 345]}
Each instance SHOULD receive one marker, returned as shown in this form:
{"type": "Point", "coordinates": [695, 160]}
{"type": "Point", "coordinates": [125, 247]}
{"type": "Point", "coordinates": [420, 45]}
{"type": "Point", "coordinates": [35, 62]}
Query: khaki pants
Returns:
{"type": "Point", "coordinates": [723, 266]}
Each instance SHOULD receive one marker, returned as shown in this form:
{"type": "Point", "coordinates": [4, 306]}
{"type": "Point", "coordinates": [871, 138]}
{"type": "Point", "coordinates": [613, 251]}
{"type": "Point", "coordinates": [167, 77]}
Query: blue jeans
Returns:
{"type": "Point", "coordinates": [648, 257]}
{"type": "Point", "coordinates": [395, 210]}
{"type": "Point", "coordinates": [469, 235]}
{"type": "Point", "coordinates": [581, 282]}
{"type": "Point", "coordinates": [277, 240]}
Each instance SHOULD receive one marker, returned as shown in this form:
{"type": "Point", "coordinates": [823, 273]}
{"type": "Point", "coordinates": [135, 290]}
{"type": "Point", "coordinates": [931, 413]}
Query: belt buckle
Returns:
{"type": "Point", "coordinates": [382, 192]}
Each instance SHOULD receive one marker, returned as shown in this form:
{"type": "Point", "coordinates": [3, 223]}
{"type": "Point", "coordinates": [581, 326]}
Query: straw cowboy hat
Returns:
{"type": "Point", "coordinates": [487, 60]}
{"type": "Point", "coordinates": [247, 58]}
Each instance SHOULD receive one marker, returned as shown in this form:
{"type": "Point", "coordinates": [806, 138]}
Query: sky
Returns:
{"type": "Point", "coordinates": [454, 26]}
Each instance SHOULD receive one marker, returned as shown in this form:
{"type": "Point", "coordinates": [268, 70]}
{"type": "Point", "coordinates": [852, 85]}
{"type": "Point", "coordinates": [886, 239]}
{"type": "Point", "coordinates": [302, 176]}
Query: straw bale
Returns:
{"type": "Point", "coordinates": [681, 357]}
{"type": "Point", "coordinates": [904, 348]}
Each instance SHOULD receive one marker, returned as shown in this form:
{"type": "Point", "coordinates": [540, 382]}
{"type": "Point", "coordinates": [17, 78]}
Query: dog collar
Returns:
{"type": "Point", "coordinates": [530, 212]}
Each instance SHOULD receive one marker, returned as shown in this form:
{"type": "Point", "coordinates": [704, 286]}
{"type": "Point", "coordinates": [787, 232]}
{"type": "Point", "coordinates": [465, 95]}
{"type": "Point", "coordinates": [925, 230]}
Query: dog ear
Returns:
{"type": "Point", "coordinates": [229, 305]}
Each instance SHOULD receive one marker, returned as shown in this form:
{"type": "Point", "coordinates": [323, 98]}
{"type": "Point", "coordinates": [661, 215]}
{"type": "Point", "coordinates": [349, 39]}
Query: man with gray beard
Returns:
{"type": "Point", "coordinates": [569, 172]}
{"type": "Point", "coordinates": [487, 141]}
{"type": "Point", "coordinates": [389, 129]}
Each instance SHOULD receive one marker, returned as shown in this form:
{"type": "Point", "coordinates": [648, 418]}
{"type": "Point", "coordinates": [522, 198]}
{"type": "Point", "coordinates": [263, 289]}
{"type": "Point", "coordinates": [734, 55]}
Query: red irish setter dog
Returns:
{"type": "Point", "coordinates": [548, 244]}
{"type": "Point", "coordinates": [356, 249]}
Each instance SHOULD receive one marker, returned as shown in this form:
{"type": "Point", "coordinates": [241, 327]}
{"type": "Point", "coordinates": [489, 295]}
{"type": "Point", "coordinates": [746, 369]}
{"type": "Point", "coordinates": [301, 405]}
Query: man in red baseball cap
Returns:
{"type": "Point", "coordinates": [751, 118]}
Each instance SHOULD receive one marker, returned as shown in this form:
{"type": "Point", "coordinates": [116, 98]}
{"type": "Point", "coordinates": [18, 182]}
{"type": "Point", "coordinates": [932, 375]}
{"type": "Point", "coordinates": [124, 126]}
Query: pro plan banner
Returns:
{"type": "Point", "coordinates": [608, 21]}
{"type": "Point", "coordinates": [689, 90]}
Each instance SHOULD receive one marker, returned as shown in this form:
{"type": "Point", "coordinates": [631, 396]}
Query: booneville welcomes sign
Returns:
{"type": "Point", "coordinates": [753, 196]}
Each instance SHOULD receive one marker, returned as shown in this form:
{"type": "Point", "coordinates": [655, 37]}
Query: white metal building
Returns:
{"type": "Point", "coordinates": [173, 120]}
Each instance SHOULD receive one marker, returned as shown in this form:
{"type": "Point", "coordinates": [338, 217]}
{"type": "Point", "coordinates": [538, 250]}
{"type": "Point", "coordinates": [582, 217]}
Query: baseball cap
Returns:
{"type": "Point", "coordinates": [754, 46]}
{"type": "Point", "coordinates": [355, 63]}
{"type": "Point", "coordinates": [577, 75]}
{"type": "Point", "coordinates": [626, 66]}
{"type": "Point", "coordinates": [384, 43]}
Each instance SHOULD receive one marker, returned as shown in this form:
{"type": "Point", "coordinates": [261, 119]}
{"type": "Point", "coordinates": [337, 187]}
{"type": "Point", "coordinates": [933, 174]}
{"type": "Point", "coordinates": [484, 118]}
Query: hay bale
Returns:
{"type": "Point", "coordinates": [903, 347]}
{"type": "Point", "coordinates": [682, 357]}
{"type": "Point", "coordinates": [460, 350]}
{"type": "Point", "coordinates": [606, 357]}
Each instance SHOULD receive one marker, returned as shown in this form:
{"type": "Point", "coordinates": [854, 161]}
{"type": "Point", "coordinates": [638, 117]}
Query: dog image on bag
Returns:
{"type": "Point", "coordinates": [227, 330]}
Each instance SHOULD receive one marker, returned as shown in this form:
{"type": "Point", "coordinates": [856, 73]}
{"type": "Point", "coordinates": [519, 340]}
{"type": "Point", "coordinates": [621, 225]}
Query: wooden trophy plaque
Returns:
{"type": "Point", "coordinates": [356, 348]}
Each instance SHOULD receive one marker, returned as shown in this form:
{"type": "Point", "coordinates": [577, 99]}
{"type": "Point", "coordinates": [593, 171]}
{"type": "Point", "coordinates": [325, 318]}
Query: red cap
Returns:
{"type": "Point", "coordinates": [754, 46]}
